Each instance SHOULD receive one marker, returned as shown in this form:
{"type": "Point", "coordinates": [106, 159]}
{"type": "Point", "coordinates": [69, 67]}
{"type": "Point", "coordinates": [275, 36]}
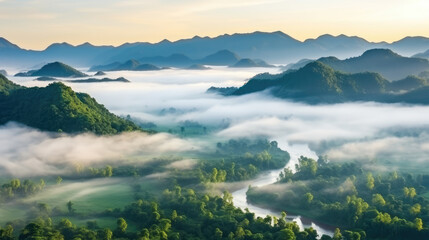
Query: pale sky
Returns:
{"type": "Point", "coordinates": [35, 24]}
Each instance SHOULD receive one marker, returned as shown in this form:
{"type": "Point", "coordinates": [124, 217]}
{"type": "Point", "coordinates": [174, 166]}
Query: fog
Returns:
{"type": "Point", "coordinates": [28, 152]}
{"type": "Point", "coordinates": [348, 131]}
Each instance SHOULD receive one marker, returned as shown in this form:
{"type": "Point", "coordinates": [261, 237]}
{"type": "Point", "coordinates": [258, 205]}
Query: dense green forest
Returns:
{"type": "Point", "coordinates": [57, 108]}
{"type": "Point", "coordinates": [383, 205]}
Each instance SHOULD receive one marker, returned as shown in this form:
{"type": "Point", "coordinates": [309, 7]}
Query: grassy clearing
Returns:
{"type": "Point", "coordinates": [88, 197]}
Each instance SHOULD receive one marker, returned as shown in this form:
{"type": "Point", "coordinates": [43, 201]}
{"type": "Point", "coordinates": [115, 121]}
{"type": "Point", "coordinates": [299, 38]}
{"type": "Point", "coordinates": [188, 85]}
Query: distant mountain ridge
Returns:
{"type": "Point", "coordinates": [423, 54]}
{"type": "Point", "coordinates": [274, 47]}
{"type": "Point", "coordinates": [219, 58]}
{"type": "Point", "coordinates": [130, 65]}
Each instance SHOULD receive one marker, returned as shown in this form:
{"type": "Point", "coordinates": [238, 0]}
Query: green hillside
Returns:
{"type": "Point", "coordinates": [6, 86]}
{"type": "Point", "coordinates": [58, 108]}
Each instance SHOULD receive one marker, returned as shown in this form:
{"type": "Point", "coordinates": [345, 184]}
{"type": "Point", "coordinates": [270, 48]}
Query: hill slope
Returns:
{"type": "Point", "coordinates": [58, 108]}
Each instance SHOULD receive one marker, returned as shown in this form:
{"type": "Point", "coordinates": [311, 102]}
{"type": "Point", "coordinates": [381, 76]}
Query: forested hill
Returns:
{"type": "Point", "coordinates": [317, 82]}
{"type": "Point", "coordinates": [57, 108]}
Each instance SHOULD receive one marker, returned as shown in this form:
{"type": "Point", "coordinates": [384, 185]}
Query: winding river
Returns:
{"type": "Point", "coordinates": [270, 177]}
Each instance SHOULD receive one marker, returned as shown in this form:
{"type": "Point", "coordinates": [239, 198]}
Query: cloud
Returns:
{"type": "Point", "coordinates": [28, 152]}
{"type": "Point", "coordinates": [348, 130]}
{"type": "Point", "coordinates": [396, 149]}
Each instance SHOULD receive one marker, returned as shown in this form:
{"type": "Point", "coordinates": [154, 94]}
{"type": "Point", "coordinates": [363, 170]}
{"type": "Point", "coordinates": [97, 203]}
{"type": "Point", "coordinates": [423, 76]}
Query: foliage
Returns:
{"type": "Point", "coordinates": [58, 108]}
{"type": "Point", "coordinates": [384, 206]}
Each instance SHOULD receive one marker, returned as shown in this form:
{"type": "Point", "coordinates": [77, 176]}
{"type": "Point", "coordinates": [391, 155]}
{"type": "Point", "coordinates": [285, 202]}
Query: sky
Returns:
{"type": "Point", "coordinates": [35, 24]}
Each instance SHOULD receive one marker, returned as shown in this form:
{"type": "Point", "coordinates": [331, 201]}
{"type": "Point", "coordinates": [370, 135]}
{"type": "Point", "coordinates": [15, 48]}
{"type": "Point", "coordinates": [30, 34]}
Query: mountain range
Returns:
{"type": "Point", "coordinates": [317, 82]}
{"type": "Point", "coordinates": [57, 108]}
{"type": "Point", "coordinates": [275, 47]}
{"type": "Point", "coordinates": [384, 61]}
{"type": "Point", "coordinates": [219, 58]}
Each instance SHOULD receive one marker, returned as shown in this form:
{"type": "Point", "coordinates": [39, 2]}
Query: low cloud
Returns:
{"type": "Point", "coordinates": [28, 152]}
{"type": "Point", "coordinates": [358, 130]}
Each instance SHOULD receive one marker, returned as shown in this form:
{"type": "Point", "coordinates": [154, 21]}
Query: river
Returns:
{"type": "Point", "coordinates": [270, 177]}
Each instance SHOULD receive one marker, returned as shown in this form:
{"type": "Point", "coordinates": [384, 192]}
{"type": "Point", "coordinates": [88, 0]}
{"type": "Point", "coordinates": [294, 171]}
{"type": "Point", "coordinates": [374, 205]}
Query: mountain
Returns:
{"type": "Point", "coordinates": [410, 45]}
{"type": "Point", "coordinates": [318, 83]}
{"type": "Point", "coordinates": [55, 69]}
{"type": "Point", "coordinates": [384, 61]}
{"type": "Point", "coordinates": [6, 45]}
{"type": "Point", "coordinates": [106, 67]}
{"type": "Point", "coordinates": [57, 108]}
{"type": "Point", "coordinates": [249, 63]}
{"type": "Point", "coordinates": [407, 84]}
{"type": "Point", "coordinates": [220, 58]}
{"type": "Point", "coordinates": [100, 73]}
{"type": "Point", "coordinates": [95, 80]}
{"type": "Point", "coordinates": [297, 65]}
{"type": "Point", "coordinates": [174, 60]}
{"type": "Point", "coordinates": [88, 80]}
{"type": "Point", "coordinates": [3, 72]}
{"type": "Point", "coordinates": [275, 47]}
{"type": "Point", "coordinates": [197, 67]}
{"type": "Point", "coordinates": [7, 86]}
{"type": "Point", "coordinates": [422, 55]}
{"type": "Point", "coordinates": [417, 96]}
{"type": "Point", "coordinates": [130, 65]}
{"type": "Point", "coordinates": [225, 91]}
{"type": "Point", "coordinates": [424, 75]}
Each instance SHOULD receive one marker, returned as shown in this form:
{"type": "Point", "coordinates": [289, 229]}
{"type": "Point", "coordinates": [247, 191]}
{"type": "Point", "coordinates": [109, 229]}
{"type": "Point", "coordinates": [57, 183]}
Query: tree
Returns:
{"type": "Point", "coordinates": [415, 209]}
{"type": "Point", "coordinates": [307, 166]}
{"type": "Point", "coordinates": [218, 233]}
{"type": "Point", "coordinates": [70, 207]}
{"type": "Point", "coordinates": [59, 180]}
{"type": "Point", "coordinates": [378, 200]}
{"type": "Point", "coordinates": [15, 183]}
{"type": "Point", "coordinates": [412, 192]}
{"type": "Point", "coordinates": [6, 233]}
{"type": "Point", "coordinates": [105, 234]}
{"type": "Point", "coordinates": [309, 197]}
{"type": "Point", "coordinates": [108, 171]}
{"type": "Point", "coordinates": [370, 181]}
{"type": "Point", "coordinates": [286, 234]}
{"type": "Point", "coordinates": [418, 223]}
{"type": "Point", "coordinates": [121, 225]}
{"type": "Point", "coordinates": [239, 233]}
{"type": "Point", "coordinates": [337, 234]}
